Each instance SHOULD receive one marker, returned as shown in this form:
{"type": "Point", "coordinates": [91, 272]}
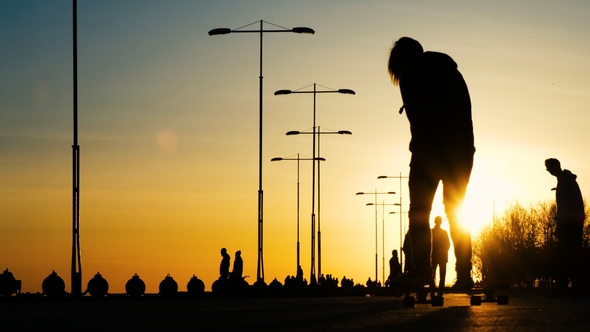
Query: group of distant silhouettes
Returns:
{"type": "Point", "coordinates": [439, 256]}
{"type": "Point", "coordinates": [238, 269]}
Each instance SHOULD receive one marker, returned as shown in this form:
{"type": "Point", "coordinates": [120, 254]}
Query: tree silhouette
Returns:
{"type": "Point", "coordinates": [521, 242]}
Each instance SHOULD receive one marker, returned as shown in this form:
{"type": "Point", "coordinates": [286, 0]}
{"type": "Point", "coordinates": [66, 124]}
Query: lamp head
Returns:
{"type": "Point", "coordinates": [346, 91]}
{"type": "Point", "coordinates": [304, 30]}
{"type": "Point", "coordinates": [276, 159]}
{"type": "Point", "coordinates": [344, 132]}
{"type": "Point", "coordinates": [293, 132]}
{"type": "Point", "coordinates": [360, 193]}
{"type": "Point", "coordinates": [282, 92]}
{"type": "Point", "coordinates": [219, 31]}
{"type": "Point", "coordinates": [382, 177]}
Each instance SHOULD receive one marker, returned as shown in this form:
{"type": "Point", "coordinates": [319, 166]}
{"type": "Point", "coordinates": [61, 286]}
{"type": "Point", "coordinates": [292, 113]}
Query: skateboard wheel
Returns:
{"type": "Point", "coordinates": [475, 300]}
{"type": "Point", "coordinates": [438, 301]}
{"type": "Point", "coordinates": [409, 302]}
{"type": "Point", "coordinates": [502, 299]}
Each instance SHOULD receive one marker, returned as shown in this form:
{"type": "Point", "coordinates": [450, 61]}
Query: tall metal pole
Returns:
{"type": "Point", "coordinates": [319, 214]}
{"type": "Point", "coordinates": [298, 245]}
{"type": "Point", "coordinates": [76, 286]}
{"type": "Point", "coordinates": [383, 243]}
{"type": "Point", "coordinates": [260, 268]}
{"type": "Point", "coordinates": [312, 270]}
{"type": "Point", "coordinates": [400, 223]}
{"type": "Point", "coordinates": [376, 250]}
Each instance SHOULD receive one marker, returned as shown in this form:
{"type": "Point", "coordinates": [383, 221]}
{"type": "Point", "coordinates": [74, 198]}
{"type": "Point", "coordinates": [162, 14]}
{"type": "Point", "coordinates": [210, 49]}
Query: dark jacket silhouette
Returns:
{"type": "Point", "coordinates": [238, 269]}
{"type": "Point", "coordinates": [224, 266]}
{"type": "Point", "coordinates": [440, 245]}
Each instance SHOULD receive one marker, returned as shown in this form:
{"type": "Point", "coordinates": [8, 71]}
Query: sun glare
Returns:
{"type": "Point", "coordinates": [486, 195]}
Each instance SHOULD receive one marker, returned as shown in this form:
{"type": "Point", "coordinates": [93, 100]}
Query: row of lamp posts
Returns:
{"type": "Point", "coordinates": [401, 231]}
{"type": "Point", "coordinates": [314, 159]}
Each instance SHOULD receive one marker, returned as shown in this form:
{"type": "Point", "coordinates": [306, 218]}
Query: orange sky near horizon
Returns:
{"type": "Point", "coordinates": [168, 128]}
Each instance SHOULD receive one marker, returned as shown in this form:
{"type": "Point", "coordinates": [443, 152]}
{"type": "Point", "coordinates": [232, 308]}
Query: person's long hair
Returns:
{"type": "Point", "coordinates": [401, 51]}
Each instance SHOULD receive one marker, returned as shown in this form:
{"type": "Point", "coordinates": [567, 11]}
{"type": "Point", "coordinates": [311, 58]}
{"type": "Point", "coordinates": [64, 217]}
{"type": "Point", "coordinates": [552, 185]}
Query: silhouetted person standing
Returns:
{"type": "Point", "coordinates": [570, 223]}
{"type": "Point", "coordinates": [299, 272]}
{"type": "Point", "coordinates": [440, 252]}
{"type": "Point", "coordinates": [395, 269]}
{"type": "Point", "coordinates": [438, 107]}
{"type": "Point", "coordinates": [224, 266]}
{"type": "Point", "coordinates": [238, 269]}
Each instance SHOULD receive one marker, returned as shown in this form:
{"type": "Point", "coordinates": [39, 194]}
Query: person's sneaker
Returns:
{"type": "Point", "coordinates": [463, 284]}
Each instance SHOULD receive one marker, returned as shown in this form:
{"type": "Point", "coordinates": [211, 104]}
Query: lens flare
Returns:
{"type": "Point", "coordinates": [167, 141]}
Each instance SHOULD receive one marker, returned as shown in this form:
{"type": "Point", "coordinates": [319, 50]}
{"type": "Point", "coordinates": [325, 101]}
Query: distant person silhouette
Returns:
{"type": "Point", "coordinates": [438, 107]}
{"type": "Point", "coordinates": [238, 269]}
{"type": "Point", "coordinates": [440, 252]}
{"type": "Point", "coordinates": [224, 266]}
{"type": "Point", "coordinates": [408, 253]}
{"type": "Point", "coordinates": [299, 272]}
{"type": "Point", "coordinates": [569, 218]}
{"type": "Point", "coordinates": [395, 269]}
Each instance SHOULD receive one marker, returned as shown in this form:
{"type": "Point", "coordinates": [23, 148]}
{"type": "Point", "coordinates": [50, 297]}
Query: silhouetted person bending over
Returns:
{"type": "Point", "coordinates": [236, 273]}
{"type": "Point", "coordinates": [224, 266]}
{"type": "Point", "coordinates": [440, 252]}
{"type": "Point", "coordinates": [438, 106]}
{"type": "Point", "coordinates": [570, 223]}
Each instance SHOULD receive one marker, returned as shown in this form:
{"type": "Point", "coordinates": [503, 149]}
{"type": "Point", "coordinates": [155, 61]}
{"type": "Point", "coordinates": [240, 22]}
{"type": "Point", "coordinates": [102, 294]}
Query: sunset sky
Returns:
{"type": "Point", "coordinates": [168, 128]}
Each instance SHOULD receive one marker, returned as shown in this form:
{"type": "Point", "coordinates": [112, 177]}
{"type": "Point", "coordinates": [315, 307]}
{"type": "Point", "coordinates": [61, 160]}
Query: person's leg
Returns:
{"type": "Point", "coordinates": [570, 245]}
{"type": "Point", "coordinates": [434, 267]}
{"type": "Point", "coordinates": [422, 186]}
{"type": "Point", "coordinates": [442, 274]}
{"type": "Point", "coordinates": [455, 182]}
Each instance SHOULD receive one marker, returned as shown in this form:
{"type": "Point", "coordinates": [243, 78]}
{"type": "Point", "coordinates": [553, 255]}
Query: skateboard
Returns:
{"type": "Point", "coordinates": [437, 294]}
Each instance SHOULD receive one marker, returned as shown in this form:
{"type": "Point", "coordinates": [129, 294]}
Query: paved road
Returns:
{"type": "Point", "coordinates": [525, 312]}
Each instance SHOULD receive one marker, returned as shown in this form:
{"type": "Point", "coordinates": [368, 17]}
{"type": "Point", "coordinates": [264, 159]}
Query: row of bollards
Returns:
{"type": "Point", "coordinates": [54, 286]}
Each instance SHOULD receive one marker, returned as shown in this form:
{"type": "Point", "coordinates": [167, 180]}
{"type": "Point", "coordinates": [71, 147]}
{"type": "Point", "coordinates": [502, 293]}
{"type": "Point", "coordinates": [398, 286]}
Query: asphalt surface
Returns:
{"type": "Point", "coordinates": [525, 312]}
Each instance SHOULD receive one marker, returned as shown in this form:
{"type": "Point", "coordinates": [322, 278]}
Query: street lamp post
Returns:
{"type": "Point", "coordinates": [399, 177]}
{"type": "Point", "coordinates": [382, 237]}
{"type": "Point", "coordinates": [315, 91]}
{"type": "Point", "coordinates": [298, 159]}
{"type": "Point", "coordinates": [76, 285]}
{"type": "Point", "coordinates": [261, 31]}
{"type": "Point", "coordinates": [376, 241]}
{"type": "Point", "coordinates": [318, 133]}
